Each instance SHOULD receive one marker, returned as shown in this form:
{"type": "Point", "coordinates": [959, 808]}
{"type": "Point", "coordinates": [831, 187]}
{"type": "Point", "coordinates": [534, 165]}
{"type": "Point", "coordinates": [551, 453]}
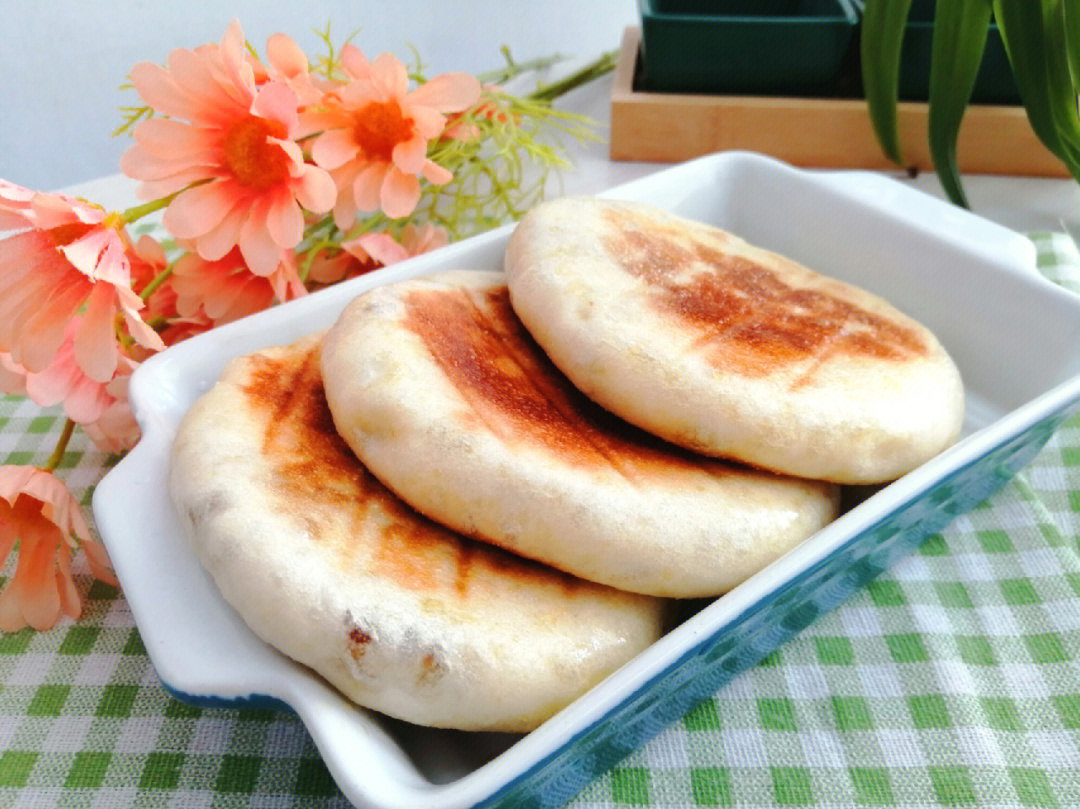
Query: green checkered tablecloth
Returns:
{"type": "Point", "coordinates": [953, 680]}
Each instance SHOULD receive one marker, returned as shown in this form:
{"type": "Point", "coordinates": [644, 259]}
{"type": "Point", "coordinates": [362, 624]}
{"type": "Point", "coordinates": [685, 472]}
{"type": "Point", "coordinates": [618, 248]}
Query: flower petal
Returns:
{"type": "Point", "coordinates": [277, 102]}
{"type": "Point", "coordinates": [334, 148]}
{"type": "Point", "coordinates": [354, 62]}
{"type": "Point", "coordinates": [260, 252]}
{"type": "Point", "coordinates": [213, 101]}
{"type": "Point", "coordinates": [434, 173]}
{"type": "Point", "coordinates": [33, 587]}
{"type": "Point", "coordinates": [156, 87]}
{"type": "Point", "coordinates": [43, 331]}
{"type": "Point", "coordinates": [450, 92]}
{"type": "Point", "coordinates": [100, 566]}
{"type": "Point", "coordinates": [367, 186]}
{"type": "Point", "coordinates": [216, 243]}
{"type": "Point", "coordinates": [175, 140]}
{"type": "Point", "coordinates": [70, 603]}
{"type": "Point", "coordinates": [95, 340]}
{"type": "Point", "coordinates": [284, 222]}
{"type": "Point", "coordinates": [200, 209]}
{"type": "Point", "coordinates": [12, 380]}
{"type": "Point", "coordinates": [390, 73]}
{"type": "Point", "coordinates": [409, 155]}
{"type": "Point", "coordinates": [86, 401]}
{"type": "Point", "coordinates": [382, 248]}
{"type": "Point", "coordinates": [429, 124]}
{"type": "Point", "coordinates": [315, 189]}
{"type": "Point", "coordinates": [284, 54]}
{"type": "Point", "coordinates": [50, 385]}
{"type": "Point", "coordinates": [399, 193]}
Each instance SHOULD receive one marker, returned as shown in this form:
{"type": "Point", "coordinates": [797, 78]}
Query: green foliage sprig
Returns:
{"type": "Point", "coordinates": [1042, 41]}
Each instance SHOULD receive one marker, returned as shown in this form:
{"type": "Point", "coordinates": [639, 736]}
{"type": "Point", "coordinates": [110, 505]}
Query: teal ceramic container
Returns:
{"type": "Point", "coordinates": [773, 47]}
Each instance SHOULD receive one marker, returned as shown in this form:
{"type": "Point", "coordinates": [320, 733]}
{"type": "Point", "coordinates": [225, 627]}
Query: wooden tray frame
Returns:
{"type": "Point", "coordinates": [819, 132]}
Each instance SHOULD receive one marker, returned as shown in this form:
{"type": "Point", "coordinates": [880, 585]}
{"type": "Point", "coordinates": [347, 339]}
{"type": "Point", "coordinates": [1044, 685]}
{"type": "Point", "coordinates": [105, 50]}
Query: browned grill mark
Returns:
{"type": "Point", "coordinates": [300, 435]}
{"type": "Point", "coordinates": [748, 318]}
{"type": "Point", "coordinates": [495, 313]}
{"type": "Point", "coordinates": [463, 564]}
{"type": "Point", "coordinates": [509, 383]}
{"type": "Point", "coordinates": [318, 475]}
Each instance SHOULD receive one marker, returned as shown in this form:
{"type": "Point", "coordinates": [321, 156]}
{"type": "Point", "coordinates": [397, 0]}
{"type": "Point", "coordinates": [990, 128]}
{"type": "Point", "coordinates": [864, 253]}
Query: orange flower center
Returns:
{"type": "Point", "coordinates": [380, 127]}
{"type": "Point", "coordinates": [253, 160]}
{"type": "Point", "coordinates": [63, 235]}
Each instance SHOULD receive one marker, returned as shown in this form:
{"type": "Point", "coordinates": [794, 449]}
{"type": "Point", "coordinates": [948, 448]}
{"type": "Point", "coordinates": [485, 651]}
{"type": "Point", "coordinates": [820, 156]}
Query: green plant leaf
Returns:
{"type": "Point", "coordinates": [960, 29]}
{"type": "Point", "coordinates": [1035, 42]}
{"type": "Point", "coordinates": [881, 39]}
{"type": "Point", "coordinates": [1070, 24]}
{"type": "Point", "coordinates": [1062, 91]}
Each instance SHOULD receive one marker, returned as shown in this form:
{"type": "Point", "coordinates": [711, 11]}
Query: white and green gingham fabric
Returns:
{"type": "Point", "coordinates": [952, 680]}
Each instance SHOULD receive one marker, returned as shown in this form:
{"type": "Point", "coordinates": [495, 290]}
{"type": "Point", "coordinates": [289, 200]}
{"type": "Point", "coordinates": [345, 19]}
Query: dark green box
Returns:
{"type": "Point", "coordinates": [774, 47]}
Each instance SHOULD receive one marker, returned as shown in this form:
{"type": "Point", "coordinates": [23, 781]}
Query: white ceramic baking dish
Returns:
{"type": "Point", "coordinates": [1015, 337]}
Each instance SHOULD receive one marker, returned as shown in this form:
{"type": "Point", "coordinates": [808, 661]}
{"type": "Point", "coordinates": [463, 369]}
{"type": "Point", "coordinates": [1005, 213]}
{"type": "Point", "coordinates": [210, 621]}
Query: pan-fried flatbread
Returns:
{"type": "Point", "coordinates": [398, 613]}
{"type": "Point", "coordinates": [730, 350]}
{"type": "Point", "coordinates": [440, 391]}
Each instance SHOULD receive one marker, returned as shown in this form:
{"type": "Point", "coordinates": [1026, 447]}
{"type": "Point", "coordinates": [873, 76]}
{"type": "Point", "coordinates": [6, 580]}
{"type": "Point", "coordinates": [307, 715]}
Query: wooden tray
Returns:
{"type": "Point", "coordinates": [822, 132]}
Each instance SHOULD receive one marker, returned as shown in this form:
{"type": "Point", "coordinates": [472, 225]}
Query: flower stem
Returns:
{"type": "Point", "coordinates": [61, 447]}
{"type": "Point", "coordinates": [137, 212]}
{"type": "Point", "coordinates": [514, 69]}
{"type": "Point", "coordinates": [155, 282]}
{"type": "Point", "coordinates": [594, 70]}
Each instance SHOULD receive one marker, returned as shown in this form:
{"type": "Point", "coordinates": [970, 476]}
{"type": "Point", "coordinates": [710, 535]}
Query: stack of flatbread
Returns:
{"type": "Point", "coordinates": [468, 502]}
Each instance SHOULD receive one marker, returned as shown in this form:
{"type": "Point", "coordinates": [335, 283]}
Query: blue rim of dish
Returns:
{"type": "Point", "coordinates": [1031, 438]}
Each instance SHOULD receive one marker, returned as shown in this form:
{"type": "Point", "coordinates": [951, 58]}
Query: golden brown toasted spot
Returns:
{"type": "Point", "coordinates": [359, 637]}
{"type": "Point", "coordinates": [515, 391]}
{"type": "Point", "coordinates": [749, 318]}
{"type": "Point", "coordinates": [299, 436]}
{"type": "Point", "coordinates": [432, 667]}
{"type": "Point", "coordinates": [404, 552]}
{"type": "Point", "coordinates": [332, 494]}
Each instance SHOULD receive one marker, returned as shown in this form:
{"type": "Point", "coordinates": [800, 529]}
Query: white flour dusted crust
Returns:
{"type": "Point", "coordinates": [440, 391]}
{"type": "Point", "coordinates": [398, 613]}
{"type": "Point", "coordinates": [719, 346]}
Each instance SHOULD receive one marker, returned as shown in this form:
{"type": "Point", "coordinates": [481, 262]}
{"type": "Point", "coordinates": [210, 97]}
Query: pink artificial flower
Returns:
{"type": "Point", "coordinates": [374, 250]}
{"type": "Point", "coordinates": [116, 430]}
{"type": "Point", "coordinates": [376, 134]}
{"type": "Point", "coordinates": [68, 257]}
{"type": "Point", "coordinates": [289, 64]}
{"type": "Point", "coordinates": [38, 512]}
{"type": "Point", "coordinates": [331, 266]}
{"type": "Point", "coordinates": [181, 328]}
{"type": "Point", "coordinates": [148, 261]}
{"type": "Point", "coordinates": [225, 289]}
{"type": "Point", "coordinates": [14, 205]}
{"type": "Point", "coordinates": [457, 128]}
{"type": "Point", "coordinates": [231, 140]}
{"type": "Point", "coordinates": [101, 408]}
{"type": "Point", "coordinates": [384, 250]}
{"type": "Point", "coordinates": [62, 380]}
{"type": "Point", "coordinates": [12, 376]}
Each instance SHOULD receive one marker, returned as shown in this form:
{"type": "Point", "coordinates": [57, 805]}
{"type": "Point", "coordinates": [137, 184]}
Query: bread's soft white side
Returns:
{"type": "Point", "coordinates": [861, 420]}
{"type": "Point", "coordinates": [676, 530]}
{"type": "Point", "coordinates": [503, 655]}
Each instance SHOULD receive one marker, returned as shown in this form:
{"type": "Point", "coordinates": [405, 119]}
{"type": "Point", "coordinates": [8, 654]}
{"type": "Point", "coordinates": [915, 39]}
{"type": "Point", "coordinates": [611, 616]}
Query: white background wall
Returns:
{"type": "Point", "coordinates": [62, 61]}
